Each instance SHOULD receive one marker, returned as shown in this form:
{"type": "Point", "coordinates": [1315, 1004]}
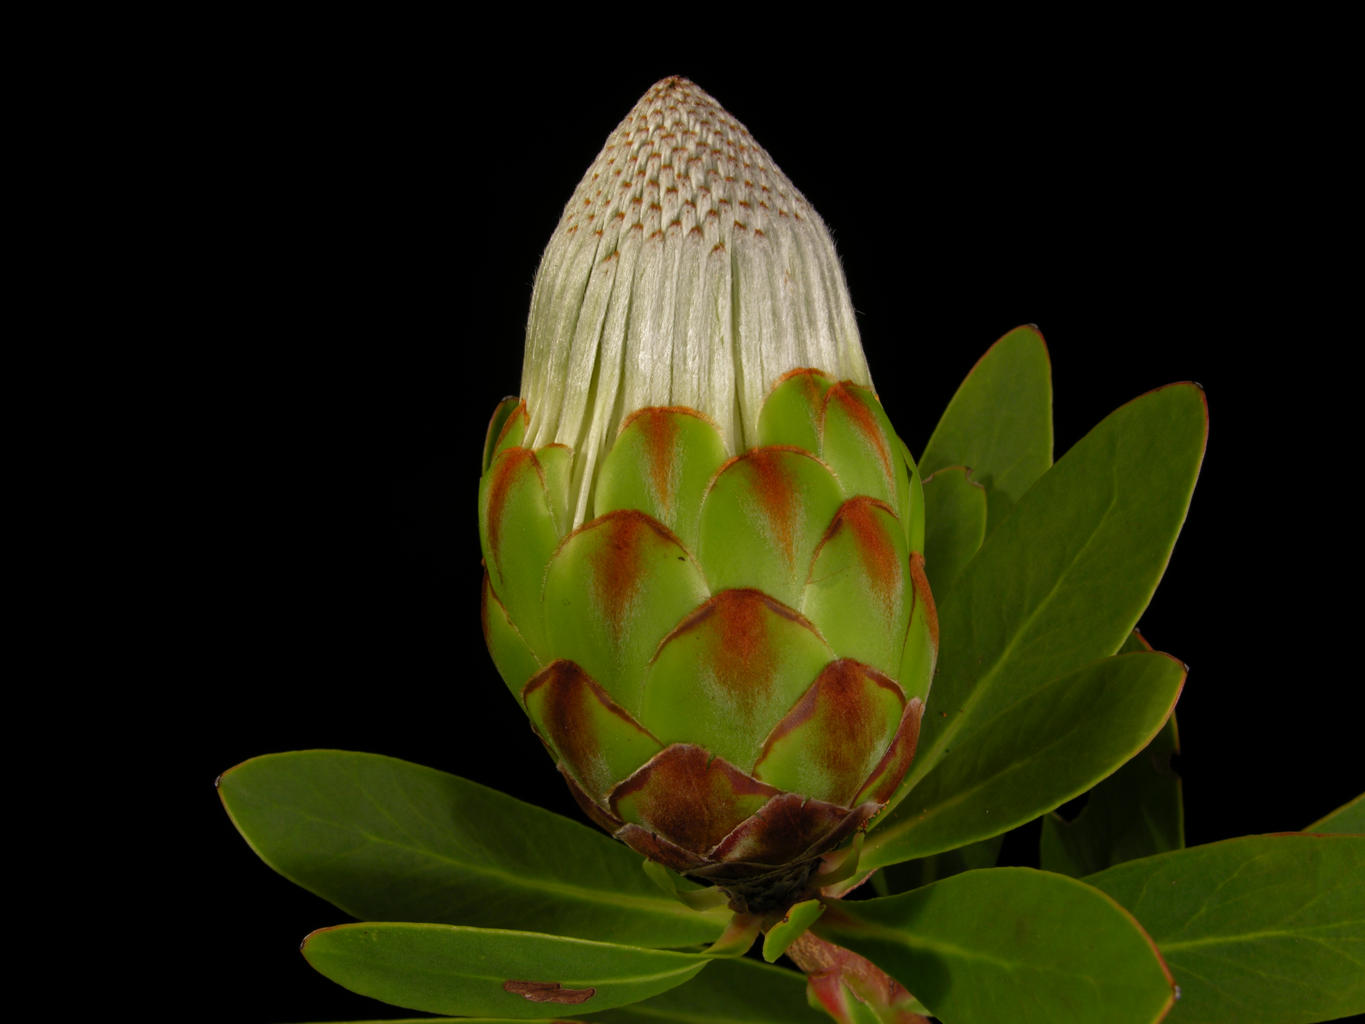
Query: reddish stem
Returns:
{"type": "Point", "coordinates": [829, 968]}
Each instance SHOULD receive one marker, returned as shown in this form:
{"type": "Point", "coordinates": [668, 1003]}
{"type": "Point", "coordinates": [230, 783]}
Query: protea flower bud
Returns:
{"type": "Point", "coordinates": [701, 534]}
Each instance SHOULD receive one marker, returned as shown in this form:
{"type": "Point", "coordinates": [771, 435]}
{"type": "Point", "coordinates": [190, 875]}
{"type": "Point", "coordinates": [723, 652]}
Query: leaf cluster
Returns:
{"type": "Point", "coordinates": [475, 905]}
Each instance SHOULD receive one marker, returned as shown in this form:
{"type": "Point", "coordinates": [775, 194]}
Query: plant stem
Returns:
{"type": "Point", "coordinates": [833, 972]}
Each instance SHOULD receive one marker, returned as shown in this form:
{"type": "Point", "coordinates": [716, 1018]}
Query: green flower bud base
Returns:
{"type": "Point", "coordinates": [729, 660]}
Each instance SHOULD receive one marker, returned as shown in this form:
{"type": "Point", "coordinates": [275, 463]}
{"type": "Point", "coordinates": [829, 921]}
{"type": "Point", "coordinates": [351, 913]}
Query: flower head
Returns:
{"type": "Point", "coordinates": [686, 270]}
{"type": "Point", "coordinates": [702, 535]}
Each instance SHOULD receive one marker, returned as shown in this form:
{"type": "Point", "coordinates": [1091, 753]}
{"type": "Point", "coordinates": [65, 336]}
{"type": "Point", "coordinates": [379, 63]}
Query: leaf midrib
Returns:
{"type": "Point", "coordinates": [510, 879]}
{"type": "Point", "coordinates": [1257, 936]}
{"type": "Point", "coordinates": [918, 941]}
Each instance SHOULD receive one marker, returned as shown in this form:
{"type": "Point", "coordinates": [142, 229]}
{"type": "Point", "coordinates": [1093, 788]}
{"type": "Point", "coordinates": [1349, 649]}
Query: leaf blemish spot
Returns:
{"type": "Point", "coordinates": [548, 992]}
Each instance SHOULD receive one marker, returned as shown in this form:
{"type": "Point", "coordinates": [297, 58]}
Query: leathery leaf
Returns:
{"type": "Point", "coordinates": [1010, 944]}
{"type": "Point", "coordinates": [999, 424]}
{"type": "Point", "coordinates": [1256, 930]}
{"type": "Point", "coordinates": [1134, 813]}
{"type": "Point", "coordinates": [385, 839]}
{"type": "Point", "coordinates": [1062, 581]}
{"type": "Point", "coordinates": [1041, 746]}
{"type": "Point", "coordinates": [443, 968]}
{"type": "Point", "coordinates": [954, 526]}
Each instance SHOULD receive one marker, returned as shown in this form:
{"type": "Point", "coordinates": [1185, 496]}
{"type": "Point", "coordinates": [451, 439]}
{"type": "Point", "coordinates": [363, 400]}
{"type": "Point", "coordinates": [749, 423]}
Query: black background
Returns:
{"type": "Point", "coordinates": [358, 228]}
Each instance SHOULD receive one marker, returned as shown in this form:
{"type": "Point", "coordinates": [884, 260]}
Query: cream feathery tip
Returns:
{"type": "Point", "coordinates": [686, 270]}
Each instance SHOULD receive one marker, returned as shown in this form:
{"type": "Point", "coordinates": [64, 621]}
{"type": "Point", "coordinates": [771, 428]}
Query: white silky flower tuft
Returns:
{"type": "Point", "coordinates": [686, 270]}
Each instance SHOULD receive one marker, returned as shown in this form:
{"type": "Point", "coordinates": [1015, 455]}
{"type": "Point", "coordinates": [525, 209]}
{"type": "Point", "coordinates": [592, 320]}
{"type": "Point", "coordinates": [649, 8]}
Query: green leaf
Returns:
{"type": "Point", "coordinates": [954, 526]}
{"type": "Point", "coordinates": [1010, 944]}
{"type": "Point", "coordinates": [1256, 930]}
{"type": "Point", "coordinates": [388, 840]}
{"type": "Point", "coordinates": [1134, 813]}
{"type": "Point", "coordinates": [1349, 817]}
{"type": "Point", "coordinates": [1062, 581]}
{"type": "Point", "coordinates": [912, 874]}
{"type": "Point", "coordinates": [999, 424]}
{"type": "Point", "coordinates": [443, 968]}
{"type": "Point", "coordinates": [1036, 748]}
{"type": "Point", "coordinates": [792, 926]}
{"type": "Point", "coordinates": [727, 992]}
{"type": "Point", "coordinates": [739, 991]}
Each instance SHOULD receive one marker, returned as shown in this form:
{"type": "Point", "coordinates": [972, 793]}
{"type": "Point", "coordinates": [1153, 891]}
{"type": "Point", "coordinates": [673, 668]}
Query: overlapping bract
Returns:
{"type": "Point", "coordinates": [729, 661]}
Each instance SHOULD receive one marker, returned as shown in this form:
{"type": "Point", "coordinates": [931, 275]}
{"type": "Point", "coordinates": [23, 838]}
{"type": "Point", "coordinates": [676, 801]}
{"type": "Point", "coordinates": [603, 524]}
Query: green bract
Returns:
{"type": "Point", "coordinates": [729, 659]}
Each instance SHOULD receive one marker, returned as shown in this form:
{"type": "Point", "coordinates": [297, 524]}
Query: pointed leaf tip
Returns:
{"type": "Point", "coordinates": [999, 422]}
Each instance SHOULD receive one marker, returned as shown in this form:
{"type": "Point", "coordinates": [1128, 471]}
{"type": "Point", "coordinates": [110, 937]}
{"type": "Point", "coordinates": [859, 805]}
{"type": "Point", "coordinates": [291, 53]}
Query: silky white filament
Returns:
{"type": "Point", "coordinates": [685, 271]}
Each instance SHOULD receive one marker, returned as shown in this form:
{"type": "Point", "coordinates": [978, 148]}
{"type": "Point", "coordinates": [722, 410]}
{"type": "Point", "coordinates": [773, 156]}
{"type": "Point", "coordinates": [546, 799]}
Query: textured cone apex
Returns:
{"type": "Point", "coordinates": [686, 271]}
